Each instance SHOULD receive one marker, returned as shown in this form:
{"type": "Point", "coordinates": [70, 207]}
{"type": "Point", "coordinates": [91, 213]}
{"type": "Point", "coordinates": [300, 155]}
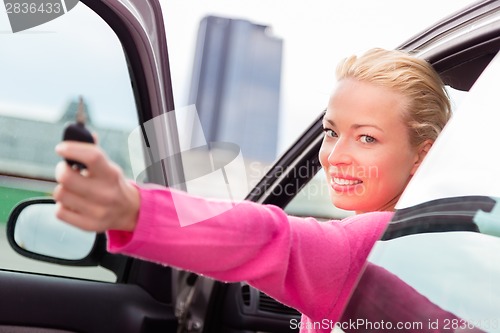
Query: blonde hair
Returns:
{"type": "Point", "coordinates": [428, 104]}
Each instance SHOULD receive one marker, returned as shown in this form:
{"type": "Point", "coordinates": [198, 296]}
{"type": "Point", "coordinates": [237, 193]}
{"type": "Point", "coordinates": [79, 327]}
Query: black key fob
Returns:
{"type": "Point", "coordinates": [77, 132]}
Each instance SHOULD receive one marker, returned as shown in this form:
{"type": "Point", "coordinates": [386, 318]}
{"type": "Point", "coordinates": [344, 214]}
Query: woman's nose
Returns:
{"type": "Point", "coordinates": [340, 153]}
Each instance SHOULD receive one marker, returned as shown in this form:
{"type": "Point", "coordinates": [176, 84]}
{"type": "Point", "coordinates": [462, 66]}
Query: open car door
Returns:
{"type": "Point", "coordinates": [113, 54]}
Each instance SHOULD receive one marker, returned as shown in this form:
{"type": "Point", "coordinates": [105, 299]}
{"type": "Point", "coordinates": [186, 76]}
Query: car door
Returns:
{"type": "Point", "coordinates": [112, 55]}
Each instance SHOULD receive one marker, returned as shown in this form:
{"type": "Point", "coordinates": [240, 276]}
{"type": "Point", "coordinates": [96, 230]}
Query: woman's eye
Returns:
{"type": "Point", "coordinates": [367, 139]}
{"type": "Point", "coordinates": [330, 133]}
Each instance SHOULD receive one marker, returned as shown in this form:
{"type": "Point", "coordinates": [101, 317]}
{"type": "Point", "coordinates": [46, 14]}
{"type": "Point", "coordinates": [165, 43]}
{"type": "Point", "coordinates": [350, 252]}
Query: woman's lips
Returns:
{"type": "Point", "coordinates": [345, 184]}
{"type": "Point", "coordinates": [345, 181]}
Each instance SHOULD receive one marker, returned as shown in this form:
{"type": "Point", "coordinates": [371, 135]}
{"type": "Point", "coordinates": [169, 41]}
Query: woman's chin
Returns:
{"type": "Point", "coordinates": [351, 203]}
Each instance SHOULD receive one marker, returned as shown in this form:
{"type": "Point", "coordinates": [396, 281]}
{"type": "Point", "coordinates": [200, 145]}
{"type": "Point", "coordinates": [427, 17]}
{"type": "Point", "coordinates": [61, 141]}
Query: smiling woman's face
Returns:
{"type": "Point", "coordinates": [366, 152]}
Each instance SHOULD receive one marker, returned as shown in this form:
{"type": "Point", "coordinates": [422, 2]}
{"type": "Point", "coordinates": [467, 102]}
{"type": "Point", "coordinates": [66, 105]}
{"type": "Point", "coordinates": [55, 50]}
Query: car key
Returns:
{"type": "Point", "coordinates": [77, 132]}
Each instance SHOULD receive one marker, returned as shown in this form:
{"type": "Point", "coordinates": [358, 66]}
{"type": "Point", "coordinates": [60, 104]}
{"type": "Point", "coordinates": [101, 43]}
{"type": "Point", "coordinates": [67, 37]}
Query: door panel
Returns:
{"type": "Point", "coordinates": [32, 300]}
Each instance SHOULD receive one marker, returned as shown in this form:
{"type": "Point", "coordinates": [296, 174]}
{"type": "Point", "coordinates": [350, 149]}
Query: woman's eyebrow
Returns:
{"type": "Point", "coordinates": [328, 121]}
{"type": "Point", "coordinates": [356, 126]}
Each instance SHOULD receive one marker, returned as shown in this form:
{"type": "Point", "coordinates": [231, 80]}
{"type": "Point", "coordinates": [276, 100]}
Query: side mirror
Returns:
{"type": "Point", "coordinates": [34, 232]}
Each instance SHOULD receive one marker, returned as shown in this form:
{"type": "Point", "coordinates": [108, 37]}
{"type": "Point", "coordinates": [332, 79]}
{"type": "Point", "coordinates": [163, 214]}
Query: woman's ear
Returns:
{"type": "Point", "coordinates": [422, 151]}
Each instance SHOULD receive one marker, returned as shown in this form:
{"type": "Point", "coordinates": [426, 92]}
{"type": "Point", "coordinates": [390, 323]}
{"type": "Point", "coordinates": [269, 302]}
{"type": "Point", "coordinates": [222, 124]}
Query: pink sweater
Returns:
{"type": "Point", "coordinates": [308, 265]}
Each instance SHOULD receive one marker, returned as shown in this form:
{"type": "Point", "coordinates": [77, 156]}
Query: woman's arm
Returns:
{"type": "Point", "coordinates": [306, 264]}
{"type": "Point", "coordinates": [303, 263]}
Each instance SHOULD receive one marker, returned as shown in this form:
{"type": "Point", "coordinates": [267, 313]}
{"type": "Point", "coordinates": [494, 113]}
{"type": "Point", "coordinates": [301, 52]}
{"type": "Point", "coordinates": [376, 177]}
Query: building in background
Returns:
{"type": "Point", "coordinates": [236, 85]}
{"type": "Point", "coordinates": [21, 153]}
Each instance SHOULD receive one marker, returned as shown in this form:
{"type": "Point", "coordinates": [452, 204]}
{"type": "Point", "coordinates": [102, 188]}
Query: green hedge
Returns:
{"type": "Point", "coordinates": [10, 197]}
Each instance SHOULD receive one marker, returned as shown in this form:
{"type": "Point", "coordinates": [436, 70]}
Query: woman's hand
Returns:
{"type": "Point", "coordinates": [98, 198]}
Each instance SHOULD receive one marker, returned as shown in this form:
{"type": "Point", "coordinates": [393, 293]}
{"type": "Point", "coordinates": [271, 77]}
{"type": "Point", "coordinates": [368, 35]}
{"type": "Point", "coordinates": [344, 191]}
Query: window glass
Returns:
{"type": "Point", "coordinates": [455, 271]}
{"type": "Point", "coordinates": [45, 71]}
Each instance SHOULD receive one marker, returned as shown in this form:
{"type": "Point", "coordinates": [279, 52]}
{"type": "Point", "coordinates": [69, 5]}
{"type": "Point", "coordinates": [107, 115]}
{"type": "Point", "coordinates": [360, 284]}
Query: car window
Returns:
{"type": "Point", "coordinates": [445, 165]}
{"type": "Point", "coordinates": [458, 271]}
{"type": "Point", "coordinates": [46, 71]}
